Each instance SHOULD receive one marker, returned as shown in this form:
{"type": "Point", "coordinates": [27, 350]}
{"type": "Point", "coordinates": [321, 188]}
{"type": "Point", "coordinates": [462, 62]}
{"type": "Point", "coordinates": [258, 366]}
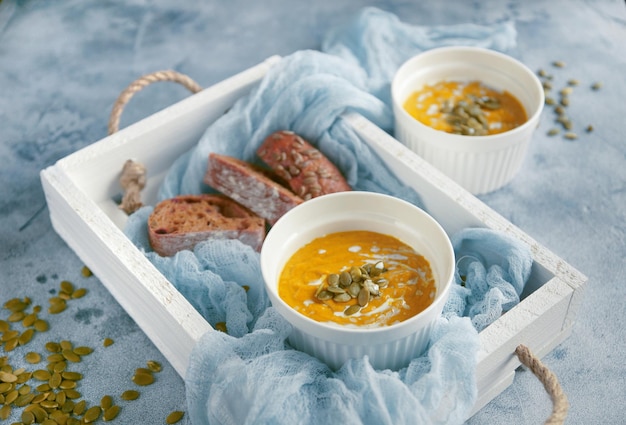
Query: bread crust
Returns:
{"type": "Point", "coordinates": [307, 171]}
{"type": "Point", "coordinates": [183, 221]}
{"type": "Point", "coordinates": [250, 186]}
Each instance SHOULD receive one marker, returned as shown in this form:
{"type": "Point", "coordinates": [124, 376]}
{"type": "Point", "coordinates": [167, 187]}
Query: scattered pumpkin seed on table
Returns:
{"type": "Point", "coordinates": [174, 417]}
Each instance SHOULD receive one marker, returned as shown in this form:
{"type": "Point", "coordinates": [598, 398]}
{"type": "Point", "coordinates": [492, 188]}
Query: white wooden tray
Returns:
{"type": "Point", "coordinates": [80, 191]}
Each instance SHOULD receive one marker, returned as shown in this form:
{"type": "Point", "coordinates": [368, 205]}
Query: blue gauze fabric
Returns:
{"type": "Point", "coordinates": [251, 375]}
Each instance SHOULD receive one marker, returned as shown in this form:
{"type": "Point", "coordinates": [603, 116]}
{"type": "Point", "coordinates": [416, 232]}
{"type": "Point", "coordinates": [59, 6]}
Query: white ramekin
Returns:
{"type": "Point", "coordinates": [478, 163]}
{"type": "Point", "coordinates": [388, 347]}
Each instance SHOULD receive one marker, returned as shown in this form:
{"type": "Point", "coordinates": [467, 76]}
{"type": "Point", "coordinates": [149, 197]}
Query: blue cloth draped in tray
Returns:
{"type": "Point", "coordinates": [251, 376]}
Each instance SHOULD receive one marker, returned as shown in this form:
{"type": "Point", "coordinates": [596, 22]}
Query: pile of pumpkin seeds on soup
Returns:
{"type": "Point", "coordinates": [561, 101]}
{"type": "Point", "coordinates": [361, 283]}
{"type": "Point", "coordinates": [49, 392]}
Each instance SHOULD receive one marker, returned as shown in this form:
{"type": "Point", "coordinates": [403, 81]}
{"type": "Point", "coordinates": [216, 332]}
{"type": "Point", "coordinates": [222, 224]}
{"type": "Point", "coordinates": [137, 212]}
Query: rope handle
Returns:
{"type": "Point", "coordinates": [133, 181]}
{"type": "Point", "coordinates": [133, 178]}
{"type": "Point", "coordinates": [560, 405]}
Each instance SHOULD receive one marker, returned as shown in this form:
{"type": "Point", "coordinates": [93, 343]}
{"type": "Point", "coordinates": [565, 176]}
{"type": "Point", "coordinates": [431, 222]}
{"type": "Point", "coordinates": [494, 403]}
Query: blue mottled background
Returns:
{"type": "Point", "coordinates": [63, 63]}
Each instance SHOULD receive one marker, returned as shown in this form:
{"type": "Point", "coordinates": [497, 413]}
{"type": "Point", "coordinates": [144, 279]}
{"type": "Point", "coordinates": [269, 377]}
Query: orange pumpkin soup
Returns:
{"type": "Point", "coordinates": [360, 278]}
{"type": "Point", "coordinates": [468, 108]}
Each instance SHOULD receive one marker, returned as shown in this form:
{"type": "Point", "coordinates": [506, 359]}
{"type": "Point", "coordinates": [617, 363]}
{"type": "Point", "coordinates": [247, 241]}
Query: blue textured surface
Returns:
{"type": "Point", "coordinates": [62, 64]}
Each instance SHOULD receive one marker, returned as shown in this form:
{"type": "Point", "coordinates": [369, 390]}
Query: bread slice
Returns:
{"type": "Point", "coordinates": [307, 171]}
{"type": "Point", "coordinates": [250, 186]}
{"type": "Point", "coordinates": [182, 222]}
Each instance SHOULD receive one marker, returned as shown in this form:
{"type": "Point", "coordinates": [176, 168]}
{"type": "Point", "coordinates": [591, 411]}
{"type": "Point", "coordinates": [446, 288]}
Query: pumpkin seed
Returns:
{"type": "Point", "coordinates": [596, 86]}
{"type": "Point", "coordinates": [86, 272]}
{"type": "Point", "coordinates": [72, 394]}
{"type": "Point", "coordinates": [53, 347]}
{"type": "Point", "coordinates": [559, 64]}
{"type": "Point", "coordinates": [325, 295]}
{"type": "Point", "coordinates": [79, 293]}
{"type": "Point", "coordinates": [5, 411]}
{"type": "Point", "coordinates": [27, 417]}
{"type": "Point", "coordinates": [106, 402]}
{"type": "Point", "coordinates": [7, 377]}
{"type": "Point", "coordinates": [345, 279]}
{"type": "Point", "coordinates": [79, 408]}
{"type": "Point", "coordinates": [11, 344]}
{"type": "Point", "coordinates": [32, 357]}
{"type": "Point", "coordinates": [174, 417]}
{"type": "Point", "coordinates": [364, 297]}
{"type": "Point", "coordinates": [333, 279]}
{"type": "Point", "coordinates": [221, 326]}
{"type": "Point", "coordinates": [130, 395]}
{"type": "Point", "coordinates": [589, 128]}
{"type": "Point", "coordinates": [107, 342]}
{"type": "Point", "coordinates": [111, 413]}
{"type": "Point", "coordinates": [553, 132]}
{"type": "Point", "coordinates": [336, 290]}
{"type": "Point", "coordinates": [92, 414]}
{"type": "Point", "coordinates": [143, 379]}
{"type": "Point", "coordinates": [342, 298]}
{"type": "Point", "coordinates": [71, 356]}
{"type": "Point", "coordinates": [570, 136]}
{"type": "Point", "coordinates": [154, 366]}
{"type": "Point", "coordinates": [55, 380]}
{"type": "Point", "coordinates": [83, 351]}
{"type": "Point", "coordinates": [353, 309]}
{"type": "Point", "coordinates": [67, 286]}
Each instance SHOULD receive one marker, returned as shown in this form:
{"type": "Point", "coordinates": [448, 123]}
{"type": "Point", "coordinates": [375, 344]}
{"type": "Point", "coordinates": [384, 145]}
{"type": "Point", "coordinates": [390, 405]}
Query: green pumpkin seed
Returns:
{"type": "Point", "coordinates": [79, 293]}
{"type": "Point", "coordinates": [11, 344]}
{"type": "Point", "coordinates": [7, 377]}
{"type": "Point", "coordinates": [342, 298]}
{"type": "Point", "coordinates": [79, 407]}
{"type": "Point", "coordinates": [154, 366]}
{"type": "Point", "coordinates": [596, 86]}
{"type": "Point", "coordinates": [333, 279]}
{"type": "Point", "coordinates": [325, 295]}
{"type": "Point", "coordinates": [353, 309]}
{"type": "Point", "coordinates": [72, 376]}
{"type": "Point", "coordinates": [67, 287]}
{"type": "Point", "coordinates": [26, 336]}
{"type": "Point", "coordinates": [72, 394]}
{"type": "Point", "coordinates": [221, 326]}
{"type": "Point", "coordinates": [336, 290]}
{"type": "Point", "coordinates": [174, 417]}
{"type": "Point", "coordinates": [11, 396]}
{"type": "Point", "coordinates": [354, 289]}
{"type": "Point", "coordinates": [49, 404]}
{"type": "Point", "coordinates": [345, 279]}
{"type": "Point", "coordinates": [106, 402]}
{"type": "Point", "coordinates": [71, 356]}
{"type": "Point", "coordinates": [553, 132]}
{"type": "Point", "coordinates": [364, 297]}
{"type": "Point", "coordinates": [55, 380]}
{"type": "Point", "coordinates": [28, 417]}
{"type": "Point", "coordinates": [92, 414]}
{"type": "Point", "coordinates": [32, 357]}
{"type": "Point", "coordinates": [86, 272]}
{"type": "Point", "coordinates": [5, 411]}
{"type": "Point", "coordinates": [61, 397]}
{"type": "Point", "coordinates": [130, 395]}
{"type": "Point", "coordinates": [570, 136]}
{"type": "Point", "coordinates": [143, 379]}
{"type": "Point", "coordinates": [53, 347]}
{"type": "Point", "coordinates": [111, 413]}
{"type": "Point", "coordinates": [107, 342]}
{"type": "Point", "coordinates": [24, 399]}
{"type": "Point", "coordinates": [83, 351]}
